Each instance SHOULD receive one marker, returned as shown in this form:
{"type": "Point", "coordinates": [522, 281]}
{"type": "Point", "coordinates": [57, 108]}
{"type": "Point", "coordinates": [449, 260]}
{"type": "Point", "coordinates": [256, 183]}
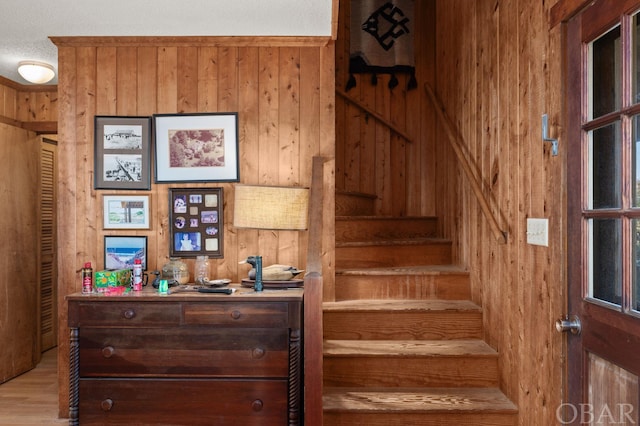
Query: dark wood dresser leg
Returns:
{"type": "Point", "coordinates": [295, 374]}
{"type": "Point", "coordinates": [74, 377]}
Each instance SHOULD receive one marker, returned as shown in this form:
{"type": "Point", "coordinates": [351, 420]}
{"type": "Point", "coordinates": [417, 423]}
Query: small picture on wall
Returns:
{"type": "Point", "coordinates": [126, 211]}
{"type": "Point", "coordinates": [196, 222]}
{"type": "Point", "coordinates": [120, 252]}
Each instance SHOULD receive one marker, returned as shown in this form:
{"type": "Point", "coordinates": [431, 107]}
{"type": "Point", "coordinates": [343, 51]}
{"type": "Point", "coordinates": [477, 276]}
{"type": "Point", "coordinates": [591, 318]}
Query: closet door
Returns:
{"type": "Point", "coordinates": [48, 259]}
{"type": "Point", "coordinates": [19, 263]}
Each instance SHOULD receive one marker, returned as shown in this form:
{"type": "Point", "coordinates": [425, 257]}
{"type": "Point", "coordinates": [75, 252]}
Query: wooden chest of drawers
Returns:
{"type": "Point", "coordinates": [186, 358]}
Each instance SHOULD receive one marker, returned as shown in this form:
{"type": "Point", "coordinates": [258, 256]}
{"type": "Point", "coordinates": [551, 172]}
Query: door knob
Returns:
{"type": "Point", "coordinates": [569, 324]}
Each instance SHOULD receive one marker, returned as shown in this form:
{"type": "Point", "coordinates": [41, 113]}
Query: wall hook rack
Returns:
{"type": "Point", "coordinates": [545, 135]}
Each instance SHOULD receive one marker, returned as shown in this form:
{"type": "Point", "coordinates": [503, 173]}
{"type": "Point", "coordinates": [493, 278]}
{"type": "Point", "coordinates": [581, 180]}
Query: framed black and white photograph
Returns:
{"type": "Point", "coordinates": [125, 211]}
{"type": "Point", "coordinates": [195, 218]}
{"type": "Point", "coordinates": [196, 147]}
{"type": "Point", "coordinates": [120, 252]}
{"type": "Point", "coordinates": [122, 151]}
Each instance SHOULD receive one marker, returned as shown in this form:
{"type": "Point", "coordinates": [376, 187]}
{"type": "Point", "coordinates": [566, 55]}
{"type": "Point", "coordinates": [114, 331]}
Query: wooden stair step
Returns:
{"type": "Point", "coordinates": [408, 348]}
{"type": "Point", "coordinates": [417, 407]}
{"type": "Point", "coordinates": [354, 203]}
{"type": "Point", "coordinates": [409, 282]}
{"type": "Point", "coordinates": [401, 320]}
{"type": "Point", "coordinates": [438, 363]}
{"type": "Point", "coordinates": [394, 253]}
{"type": "Point", "coordinates": [376, 228]}
{"type": "Point", "coordinates": [374, 305]}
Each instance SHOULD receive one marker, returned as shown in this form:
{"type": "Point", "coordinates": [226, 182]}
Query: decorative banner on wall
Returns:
{"type": "Point", "coordinates": [382, 40]}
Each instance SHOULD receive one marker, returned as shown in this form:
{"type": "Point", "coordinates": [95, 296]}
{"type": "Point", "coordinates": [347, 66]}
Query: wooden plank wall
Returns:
{"type": "Point", "coordinates": [498, 70]}
{"type": "Point", "coordinates": [283, 90]}
{"type": "Point", "coordinates": [21, 104]}
{"type": "Point", "coordinates": [370, 158]}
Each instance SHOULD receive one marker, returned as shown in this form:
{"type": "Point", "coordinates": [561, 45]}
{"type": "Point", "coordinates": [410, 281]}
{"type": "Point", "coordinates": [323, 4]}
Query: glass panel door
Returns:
{"type": "Point", "coordinates": [603, 201]}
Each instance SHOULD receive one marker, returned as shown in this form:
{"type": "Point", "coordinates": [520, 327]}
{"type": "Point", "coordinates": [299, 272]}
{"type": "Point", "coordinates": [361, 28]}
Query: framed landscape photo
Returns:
{"type": "Point", "coordinates": [120, 252]}
{"type": "Point", "coordinates": [126, 211]}
{"type": "Point", "coordinates": [196, 147]}
{"type": "Point", "coordinates": [122, 150]}
{"type": "Point", "coordinates": [195, 221]}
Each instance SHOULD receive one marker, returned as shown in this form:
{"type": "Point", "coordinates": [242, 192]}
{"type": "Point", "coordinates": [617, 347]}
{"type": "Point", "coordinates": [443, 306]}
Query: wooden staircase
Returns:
{"type": "Point", "coordinates": [403, 342]}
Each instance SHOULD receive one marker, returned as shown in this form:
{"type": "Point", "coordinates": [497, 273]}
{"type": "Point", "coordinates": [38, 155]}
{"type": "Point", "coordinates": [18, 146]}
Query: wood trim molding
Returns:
{"type": "Point", "coordinates": [10, 121]}
{"type": "Point", "coordinates": [210, 41]}
{"type": "Point", "coordinates": [40, 127]}
{"type": "Point", "coordinates": [27, 87]}
{"type": "Point", "coordinates": [564, 10]}
{"type": "Point", "coordinates": [335, 12]}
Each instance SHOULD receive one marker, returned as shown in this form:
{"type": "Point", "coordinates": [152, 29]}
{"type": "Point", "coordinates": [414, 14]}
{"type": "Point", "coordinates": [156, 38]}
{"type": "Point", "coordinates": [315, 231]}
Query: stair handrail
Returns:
{"type": "Point", "coordinates": [313, 300]}
{"type": "Point", "coordinates": [454, 141]}
{"type": "Point", "coordinates": [375, 115]}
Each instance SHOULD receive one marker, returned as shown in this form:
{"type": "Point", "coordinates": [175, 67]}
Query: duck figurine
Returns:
{"type": "Point", "coordinates": [273, 272]}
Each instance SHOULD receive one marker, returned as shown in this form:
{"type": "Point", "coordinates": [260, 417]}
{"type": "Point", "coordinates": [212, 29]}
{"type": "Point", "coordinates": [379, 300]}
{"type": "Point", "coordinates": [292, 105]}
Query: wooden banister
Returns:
{"type": "Point", "coordinates": [454, 140]}
{"type": "Point", "coordinates": [313, 301]}
{"type": "Point", "coordinates": [375, 115]}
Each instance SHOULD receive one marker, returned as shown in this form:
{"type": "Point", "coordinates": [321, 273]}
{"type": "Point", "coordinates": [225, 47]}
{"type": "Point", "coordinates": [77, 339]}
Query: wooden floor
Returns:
{"type": "Point", "coordinates": [32, 398]}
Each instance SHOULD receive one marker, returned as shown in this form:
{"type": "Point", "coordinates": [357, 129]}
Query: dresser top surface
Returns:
{"type": "Point", "coordinates": [180, 294]}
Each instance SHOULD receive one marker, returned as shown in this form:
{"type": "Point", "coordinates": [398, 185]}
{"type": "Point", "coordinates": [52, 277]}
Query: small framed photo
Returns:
{"type": "Point", "coordinates": [196, 147]}
{"type": "Point", "coordinates": [125, 211]}
{"type": "Point", "coordinates": [122, 152]}
{"type": "Point", "coordinates": [195, 218]}
{"type": "Point", "coordinates": [120, 252]}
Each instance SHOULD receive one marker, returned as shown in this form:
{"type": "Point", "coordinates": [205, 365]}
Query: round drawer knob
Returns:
{"type": "Point", "coordinates": [129, 313]}
{"type": "Point", "coordinates": [235, 314]}
{"type": "Point", "coordinates": [106, 404]}
{"type": "Point", "coordinates": [257, 405]}
{"type": "Point", "coordinates": [108, 351]}
{"type": "Point", "coordinates": [257, 353]}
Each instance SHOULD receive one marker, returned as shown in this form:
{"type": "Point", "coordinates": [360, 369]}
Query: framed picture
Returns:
{"type": "Point", "coordinates": [196, 222]}
{"type": "Point", "coordinates": [120, 252]}
{"type": "Point", "coordinates": [122, 153]}
{"type": "Point", "coordinates": [196, 147]}
{"type": "Point", "coordinates": [125, 211]}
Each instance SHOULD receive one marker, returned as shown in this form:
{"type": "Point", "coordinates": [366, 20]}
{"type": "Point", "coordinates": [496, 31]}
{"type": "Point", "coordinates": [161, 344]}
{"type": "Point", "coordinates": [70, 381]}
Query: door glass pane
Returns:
{"type": "Point", "coordinates": [605, 66]}
{"type": "Point", "coordinates": [635, 161]}
{"type": "Point", "coordinates": [605, 160]}
{"type": "Point", "coordinates": [605, 267]}
{"type": "Point", "coordinates": [635, 63]}
{"type": "Point", "coordinates": [613, 395]}
{"type": "Point", "coordinates": [635, 285]}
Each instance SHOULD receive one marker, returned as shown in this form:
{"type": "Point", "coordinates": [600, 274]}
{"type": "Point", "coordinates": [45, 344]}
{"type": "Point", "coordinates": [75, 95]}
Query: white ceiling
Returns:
{"type": "Point", "coordinates": [25, 25]}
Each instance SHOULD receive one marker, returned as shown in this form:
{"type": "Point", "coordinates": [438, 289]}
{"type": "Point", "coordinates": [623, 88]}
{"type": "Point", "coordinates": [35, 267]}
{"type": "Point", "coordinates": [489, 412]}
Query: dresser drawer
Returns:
{"type": "Point", "coordinates": [182, 402]}
{"type": "Point", "coordinates": [186, 351]}
{"type": "Point", "coordinates": [253, 314]}
{"type": "Point", "coordinates": [124, 314]}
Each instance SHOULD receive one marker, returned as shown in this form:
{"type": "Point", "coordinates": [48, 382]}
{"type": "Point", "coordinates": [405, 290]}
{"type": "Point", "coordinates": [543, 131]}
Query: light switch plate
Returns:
{"type": "Point", "coordinates": [538, 231]}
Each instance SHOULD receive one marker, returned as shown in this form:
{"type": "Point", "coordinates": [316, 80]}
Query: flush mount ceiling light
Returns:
{"type": "Point", "coordinates": [36, 72]}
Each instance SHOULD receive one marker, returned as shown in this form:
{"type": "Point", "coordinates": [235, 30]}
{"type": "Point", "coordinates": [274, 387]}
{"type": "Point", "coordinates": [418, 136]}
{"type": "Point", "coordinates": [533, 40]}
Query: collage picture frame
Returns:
{"type": "Point", "coordinates": [196, 222]}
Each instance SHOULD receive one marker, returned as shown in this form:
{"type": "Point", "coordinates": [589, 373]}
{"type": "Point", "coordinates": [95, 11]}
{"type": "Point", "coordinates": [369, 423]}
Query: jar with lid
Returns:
{"type": "Point", "coordinates": [176, 270]}
{"type": "Point", "coordinates": [201, 272]}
